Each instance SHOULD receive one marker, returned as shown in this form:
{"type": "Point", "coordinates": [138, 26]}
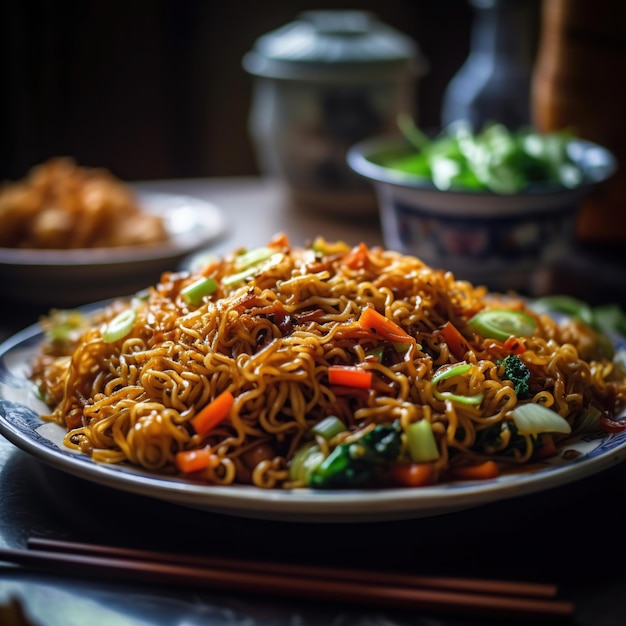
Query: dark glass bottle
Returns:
{"type": "Point", "coordinates": [494, 82]}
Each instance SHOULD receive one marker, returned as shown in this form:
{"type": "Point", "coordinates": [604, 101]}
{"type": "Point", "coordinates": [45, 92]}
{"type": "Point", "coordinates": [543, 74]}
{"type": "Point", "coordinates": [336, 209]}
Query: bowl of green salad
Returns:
{"type": "Point", "coordinates": [493, 206]}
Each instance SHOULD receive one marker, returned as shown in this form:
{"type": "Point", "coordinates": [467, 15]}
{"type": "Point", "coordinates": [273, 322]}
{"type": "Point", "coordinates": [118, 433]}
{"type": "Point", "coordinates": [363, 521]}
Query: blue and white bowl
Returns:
{"type": "Point", "coordinates": [501, 241]}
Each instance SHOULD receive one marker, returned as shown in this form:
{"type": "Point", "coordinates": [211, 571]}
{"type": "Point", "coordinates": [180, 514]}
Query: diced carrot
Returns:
{"type": "Point", "coordinates": [457, 344]}
{"type": "Point", "coordinates": [357, 258]}
{"type": "Point", "coordinates": [213, 413]}
{"type": "Point", "coordinates": [385, 328]}
{"type": "Point", "coordinates": [188, 461]}
{"type": "Point", "coordinates": [412, 474]}
{"type": "Point", "coordinates": [349, 376]}
{"type": "Point", "coordinates": [514, 345]}
{"type": "Point", "coordinates": [480, 471]}
{"type": "Point", "coordinates": [280, 241]}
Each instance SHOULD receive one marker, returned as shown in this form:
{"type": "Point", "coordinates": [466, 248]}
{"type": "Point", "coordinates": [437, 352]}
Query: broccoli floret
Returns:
{"type": "Point", "coordinates": [517, 372]}
{"type": "Point", "coordinates": [359, 463]}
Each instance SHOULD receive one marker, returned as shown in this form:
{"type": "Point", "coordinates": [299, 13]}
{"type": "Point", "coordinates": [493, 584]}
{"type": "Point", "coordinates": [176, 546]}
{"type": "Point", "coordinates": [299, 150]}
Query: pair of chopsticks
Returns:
{"type": "Point", "coordinates": [317, 583]}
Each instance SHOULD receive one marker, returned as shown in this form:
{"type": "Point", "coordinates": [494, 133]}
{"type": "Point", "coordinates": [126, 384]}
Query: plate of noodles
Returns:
{"type": "Point", "coordinates": [322, 383]}
{"type": "Point", "coordinates": [73, 235]}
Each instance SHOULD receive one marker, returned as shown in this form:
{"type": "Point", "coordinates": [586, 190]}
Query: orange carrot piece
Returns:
{"type": "Point", "coordinates": [188, 461]}
{"type": "Point", "coordinates": [480, 471]}
{"type": "Point", "coordinates": [280, 241]}
{"type": "Point", "coordinates": [412, 474]}
{"type": "Point", "coordinates": [213, 413]}
{"type": "Point", "coordinates": [349, 376]}
{"type": "Point", "coordinates": [514, 345]}
{"type": "Point", "coordinates": [457, 344]}
{"type": "Point", "coordinates": [356, 259]}
{"type": "Point", "coordinates": [377, 323]}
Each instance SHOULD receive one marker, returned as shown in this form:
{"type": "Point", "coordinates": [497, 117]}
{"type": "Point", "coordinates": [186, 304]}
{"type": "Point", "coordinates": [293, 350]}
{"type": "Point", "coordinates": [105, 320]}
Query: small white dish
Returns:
{"type": "Point", "coordinates": [20, 423]}
{"type": "Point", "coordinates": [64, 278]}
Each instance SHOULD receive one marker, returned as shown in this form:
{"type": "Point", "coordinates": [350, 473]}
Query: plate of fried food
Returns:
{"type": "Point", "coordinates": [72, 234]}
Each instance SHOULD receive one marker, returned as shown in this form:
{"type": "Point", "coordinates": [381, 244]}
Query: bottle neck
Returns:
{"type": "Point", "coordinates": [502, 30]}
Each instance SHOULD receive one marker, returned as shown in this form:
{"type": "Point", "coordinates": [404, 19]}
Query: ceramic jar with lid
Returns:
{"type": "Point", "coordinates": [322, 83]}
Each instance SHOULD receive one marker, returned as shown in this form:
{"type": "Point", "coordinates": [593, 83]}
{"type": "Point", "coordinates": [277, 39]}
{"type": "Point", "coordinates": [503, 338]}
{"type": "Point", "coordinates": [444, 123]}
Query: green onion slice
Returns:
{"type": "Point", "coordinates": [502, 323]}
{"type": "Point", "coordinates": [455, 397]}
{"type": "Point", "coordinates": [253, 257]}
{"type": "Point", "coordinates": [446, 372]}
{"type": "Point", "coordinates": [120, 325]}
{"type": "Point", "coordinates": [329, 427]}
{"type": "Point", "coordinates": [194, 292]}
{"type": "Point", "coordinates": [250, 271]}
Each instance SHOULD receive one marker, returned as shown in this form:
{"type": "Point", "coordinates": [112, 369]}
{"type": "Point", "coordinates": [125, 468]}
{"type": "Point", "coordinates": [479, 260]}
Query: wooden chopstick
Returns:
{"type": "Point", "coordinates": [124, 564]}
{"type": "Point", "coordinates": [516, 588]}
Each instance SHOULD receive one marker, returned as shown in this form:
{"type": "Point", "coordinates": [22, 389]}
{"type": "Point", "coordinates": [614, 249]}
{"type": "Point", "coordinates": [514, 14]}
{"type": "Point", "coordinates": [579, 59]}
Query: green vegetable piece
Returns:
{"type": "Point", "coordinates": [253, 257]}
{"type": "Point", "coordinates": [329, 427]}
{"type": "Point", "coordinates": [119, 326]}
{"type": "Point", "coordinates": [238, 277]}
{"type": "Point", "coordinates": [304, 462]}
{"type": "Point", "coordinates": [251, 270]}
{"type": "Point", "coordinates": [494, 159]}
{"type": "Point", "coordinates": [502, 323]}
{"type": "Point", "coordinates": [455, 397]}
{"type": "Point", "coordinates": [516, 371]}
{"type": "Point", "coordinates": [534, 419]}
{"type": "Point", "coordinates": [446, 372]}
{"type": "Point", "coordinates": [359, 463]}
{"type": "Point", "coordinates": [421, 441]}
{"type": "Point", "coordinates": [193, 293]}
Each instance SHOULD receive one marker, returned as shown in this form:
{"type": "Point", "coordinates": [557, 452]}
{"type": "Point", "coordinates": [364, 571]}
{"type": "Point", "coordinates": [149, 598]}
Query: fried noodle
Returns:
{"type": "Point", "coordinates": [269, 337]}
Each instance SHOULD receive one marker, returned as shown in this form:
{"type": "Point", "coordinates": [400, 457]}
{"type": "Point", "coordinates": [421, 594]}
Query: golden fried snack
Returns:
{"type": "Point", "coordinates": [60, 205]}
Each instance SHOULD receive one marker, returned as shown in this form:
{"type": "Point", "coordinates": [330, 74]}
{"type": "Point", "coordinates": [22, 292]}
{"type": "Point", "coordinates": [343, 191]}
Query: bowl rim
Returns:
{"type": "Point", "coordinates": [359, 157]}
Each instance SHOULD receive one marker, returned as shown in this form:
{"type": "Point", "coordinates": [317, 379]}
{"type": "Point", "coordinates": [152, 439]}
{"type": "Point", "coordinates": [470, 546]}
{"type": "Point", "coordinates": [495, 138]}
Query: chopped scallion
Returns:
{"type": "Point", "coordinates": [457, 368]}
{"type": "Point", "coordinates": [448, 372]}
{"type": "Point", "coordinates": [502, 323]}
{"type": "Point", "coordinates": [119, 326]}
{"type": "Point", "coordinates": [249, 272]}
{"type": "Point", "coordinates": [194, 292]}
{"type": "Point", "coordinates": [253, 257]}
{"type": "Point", "coordinates": [329, 427]}
{"type": "Point", "coordinates": [459, 399]}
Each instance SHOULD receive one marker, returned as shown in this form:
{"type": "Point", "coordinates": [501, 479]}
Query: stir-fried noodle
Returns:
{"type": "Point", "coordinates": [225, 379]}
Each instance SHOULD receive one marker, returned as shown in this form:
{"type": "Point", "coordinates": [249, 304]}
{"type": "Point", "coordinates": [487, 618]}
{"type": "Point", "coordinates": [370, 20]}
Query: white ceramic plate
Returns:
{"type": "Point", "coordinates": [20, 423]}
{"type": "Point", "coordinates": [63, 278]}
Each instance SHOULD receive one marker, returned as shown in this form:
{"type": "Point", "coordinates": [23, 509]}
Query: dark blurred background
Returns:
{"type": "Point", "coordinates": [155, 89]}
